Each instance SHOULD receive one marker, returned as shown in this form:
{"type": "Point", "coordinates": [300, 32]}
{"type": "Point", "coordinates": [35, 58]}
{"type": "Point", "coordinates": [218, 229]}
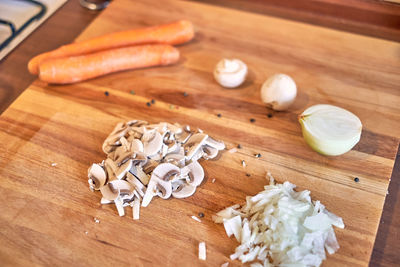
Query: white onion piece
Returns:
{"type": "Point", "coordinates": [281, 227]}
{"type": "Point", "coordinates": [330, 130]}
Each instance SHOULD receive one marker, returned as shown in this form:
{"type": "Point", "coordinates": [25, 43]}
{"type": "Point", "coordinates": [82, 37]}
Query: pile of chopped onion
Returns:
{"type": "Point", "coordinates": [280, 226]}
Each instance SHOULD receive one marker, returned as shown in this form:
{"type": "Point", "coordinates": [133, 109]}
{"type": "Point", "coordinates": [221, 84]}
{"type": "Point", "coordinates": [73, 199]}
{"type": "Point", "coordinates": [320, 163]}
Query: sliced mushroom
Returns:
{"type": "Point", "coordinates": [97, 177]}
{"type": "Point", "coordinates": [120, 155]}
{"type": "Point", "coordinates": [177, 184]}
{"type": "Point", "coordinates": [194, 144]}
{"type": "Point", "coordinates": [139, 159]}
{"type": "Point", "coordinates": [123, 169]}
{"type": "Point", "coordinates": [105, 201]}
{"type": "Point", "coordinates": [176, 159]}
{"type": "Point", "coordinates": [176, 129]}
{"type": "Point", "coordinates": [137, 145]}
{"type": "Point", "coordinates": [184, 190]}
{"type": "Point", "coordinates": [152, 141]}
{"type": "Point", "coordinates": [139, 186]}
{"type": "Point", "coordinates": [166, 171]}
{"type": "Point", "coordinates": [149, 166]}
{"type": "Point", "coordinates": [195, 174]}
{"type": "Point", "coordinates": [114, 189]}
{"type": "Point", "coordinates": [209, 152]}
{"type": "Point", "coordinates": [157, 187]}
{"type": "Point", "coordinates": [215, 144]}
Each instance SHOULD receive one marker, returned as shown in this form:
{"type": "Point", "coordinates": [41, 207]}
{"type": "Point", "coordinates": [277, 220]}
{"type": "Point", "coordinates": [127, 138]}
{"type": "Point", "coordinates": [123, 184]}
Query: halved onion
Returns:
{"type": "Point", "coordinates": [330, 130]}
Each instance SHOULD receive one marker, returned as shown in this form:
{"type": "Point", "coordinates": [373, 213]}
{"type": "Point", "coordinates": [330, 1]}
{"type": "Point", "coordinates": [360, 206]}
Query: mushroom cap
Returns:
{"type": "Point", "coordinates": [186, 190]}
{"type": "Point", "coordinates": [209, 152]}
{"type": "Point", "coordinates": [157, 187]}
{"type": "Point", "coordinates": [196, 174]}
{"type": "Point", "coordinates": [121, 171]}
{"type": "Point", "coordinates": [176, 159]}
{"type": "Point", "coordinates": [166, 171]}
{"type": "Point", "coordinates": [137, 146]}
{"type": "Point", "coordinates": [115, 188]}
{"type": "Point", "coordinates": [152, 141]}
{"type": "Point", "coordinates": [97, 175]}
{"type": "Point", "coordinates": [214, 143]}
{"type": "Point", "coordinates": [194, 144]}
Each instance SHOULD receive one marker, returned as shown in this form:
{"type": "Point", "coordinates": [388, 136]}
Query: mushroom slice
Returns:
{"type": "Point", "coordinates": [136, 208]}
{"type": "Point", "coordinates": [152, 141]}
{"type": "Point", "coordinates": [139, 186]}
{"type": "Point", "coordinates": [194, 143]}
{"type": "Point", "coordinates": [115, 191]}
{"type": "Point", "coordinates": [166, 171]}
{"type": "Point", "coordinates": [142, 176]}
{"type": "Point", "coordinates": [123, 169]}
{"type": "Point", "coordinates": [139, 159]}
{"type": "Point", "coordinates": [184, 190]}
{"type": "Point", "coordinates": [172, 147]}
{"type": "Point", "coordinates": [195, 174]}
{"type": "Point", "coordinates": [109, 167]}
{"type": "Point", "coordinates": [209, 152]}
{"type": "Point", "coordinates": [157, 187]}
{"type": "Point", "coordinates": [183, 137]}
{"type": "Point", "coordinates": [175, 128]}
{"type": "Point", "coordinates": [149, 166]}
{"type": "Point", "coordinates": [176, 159]}
{"type": "Point", "coordinates": [177, 184]}
{"type": "Point", "coordinates": [198, 155]}
{"type": "Point", "coordinates": [121, 156]}
{"type": "Point", "coordinates": [215, 144]}
{"type": "Point", "coordinates": [97, 177]}
{"type": "Point", "coordinates": [106, 201]}
{"type": "Point", "coordinates": [137, 145]}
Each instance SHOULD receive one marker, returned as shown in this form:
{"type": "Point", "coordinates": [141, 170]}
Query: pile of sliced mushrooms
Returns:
{"type": "Point", "coordinates": [146, 160]}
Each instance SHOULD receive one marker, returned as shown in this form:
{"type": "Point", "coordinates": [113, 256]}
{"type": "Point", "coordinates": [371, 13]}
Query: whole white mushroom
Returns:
{"type": "Point", "coordinates": [230, 73]}
{"type": "Point", "coordinates": [279, 92]}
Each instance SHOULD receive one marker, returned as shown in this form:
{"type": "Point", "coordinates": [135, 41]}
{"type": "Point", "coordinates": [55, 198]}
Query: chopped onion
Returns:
{"type": "Point", "coordinates": [280, 226]}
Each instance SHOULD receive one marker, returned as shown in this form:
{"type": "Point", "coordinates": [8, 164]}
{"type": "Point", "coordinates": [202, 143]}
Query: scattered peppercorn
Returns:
{"type": "Point", "coordinates": [148, 104]}
{"type": "Point", "coordinates": [185, 94]}
{"type": "Point", "coordinates": [153, 101]}
{"type": "Point", "coordinates": [258, 155]}
{"type": "Point", "coordinates": [252, 120]}
{"type": "Point", "coordinates": [201, 215]}
{"type": "Point", "coordinates": [239, 146]}
{"type": "Point", "coordinates": [356, 179]}
{"type": "Point", "coordinates": [219, 115]}
{"type": "Point", "coordinates": [106, 93]}
{"type": "Point", "coordinates": [132, 92]}
{"type": "Point", "coordinates": [269, 115]}
{"type": "Point", "coordinates": [248, 174]}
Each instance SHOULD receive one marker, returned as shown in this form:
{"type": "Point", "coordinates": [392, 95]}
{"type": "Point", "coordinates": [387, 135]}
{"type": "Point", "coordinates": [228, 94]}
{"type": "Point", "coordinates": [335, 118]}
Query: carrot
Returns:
{"type": "Point", "coordinates": [174, 33]}
{"type": "Point", "coordinates": [79, 68]}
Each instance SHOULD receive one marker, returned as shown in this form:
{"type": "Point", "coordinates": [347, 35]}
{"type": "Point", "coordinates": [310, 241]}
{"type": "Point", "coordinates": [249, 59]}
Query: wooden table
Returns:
{"type": "Point", "coordinates": [14, 79]}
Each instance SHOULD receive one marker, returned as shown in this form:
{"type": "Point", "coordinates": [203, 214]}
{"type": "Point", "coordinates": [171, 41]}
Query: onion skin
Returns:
{"type": "Point", "coordinates": [331, 146]}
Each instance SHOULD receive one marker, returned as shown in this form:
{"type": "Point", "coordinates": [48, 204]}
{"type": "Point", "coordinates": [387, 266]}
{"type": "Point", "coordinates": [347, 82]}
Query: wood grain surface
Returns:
{"type": "Point", "coordinates": [47, 212]}
{"type": "Point", "coordinates": [369, 17]}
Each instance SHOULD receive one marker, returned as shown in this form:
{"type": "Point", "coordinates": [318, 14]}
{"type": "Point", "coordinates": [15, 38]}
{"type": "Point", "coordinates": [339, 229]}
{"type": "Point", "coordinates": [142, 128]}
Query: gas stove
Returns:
{"type": "Point", "coordinates": [18, 18]}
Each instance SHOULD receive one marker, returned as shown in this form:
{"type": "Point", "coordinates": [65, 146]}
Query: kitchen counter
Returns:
{"type": "Point", "coordinates": [14, 78]}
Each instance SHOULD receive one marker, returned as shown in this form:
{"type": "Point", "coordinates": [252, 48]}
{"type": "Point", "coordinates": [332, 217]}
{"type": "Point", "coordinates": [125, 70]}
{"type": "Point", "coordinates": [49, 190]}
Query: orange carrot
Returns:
{"type": "Point", "coordinates": [79, 68]}
{"type": "Point", "coordinates": [174, 33]}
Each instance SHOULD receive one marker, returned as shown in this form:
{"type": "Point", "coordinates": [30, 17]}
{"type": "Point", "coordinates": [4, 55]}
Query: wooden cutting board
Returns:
{"type": "Point", "coordinates": [47, 212]}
